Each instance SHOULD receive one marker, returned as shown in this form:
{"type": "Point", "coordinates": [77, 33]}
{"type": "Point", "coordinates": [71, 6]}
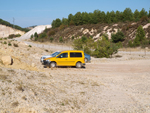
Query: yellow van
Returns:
{"type": "Point", "coordinates": [67, 58]}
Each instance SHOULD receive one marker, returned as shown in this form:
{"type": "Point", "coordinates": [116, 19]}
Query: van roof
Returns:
{"type": "Point", "coordinates": [72, 51]}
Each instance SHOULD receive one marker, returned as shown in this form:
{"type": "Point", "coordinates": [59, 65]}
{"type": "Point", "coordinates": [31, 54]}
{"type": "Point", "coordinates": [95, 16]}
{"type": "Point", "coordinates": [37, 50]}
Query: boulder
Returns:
{"type": "Point", "coordinates": [33, 65]}
{"type": "Point", "coordinates": [7, 60]}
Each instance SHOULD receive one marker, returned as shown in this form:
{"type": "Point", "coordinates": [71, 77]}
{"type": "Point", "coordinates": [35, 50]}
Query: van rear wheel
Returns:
{"type": "Point", "coordinates": [52, 64]}
{"type": "Point", "coordinates": [78, 65]}
{"type": "Point", "coordinates": [86, 60]}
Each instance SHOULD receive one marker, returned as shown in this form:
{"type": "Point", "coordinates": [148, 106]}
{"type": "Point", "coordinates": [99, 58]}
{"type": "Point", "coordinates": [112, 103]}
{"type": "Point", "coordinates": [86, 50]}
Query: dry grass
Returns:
{"type": "Point", "coordinates": [15, 104]}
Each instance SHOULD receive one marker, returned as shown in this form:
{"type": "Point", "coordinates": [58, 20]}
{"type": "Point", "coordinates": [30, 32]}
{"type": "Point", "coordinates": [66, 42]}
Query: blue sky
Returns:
{"type": "Point", "coordinates": [41, 12]}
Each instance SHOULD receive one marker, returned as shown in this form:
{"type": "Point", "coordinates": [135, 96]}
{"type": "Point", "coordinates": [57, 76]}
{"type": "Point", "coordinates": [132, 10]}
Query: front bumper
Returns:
{"type": "Point", "coordinates": [46, 62]}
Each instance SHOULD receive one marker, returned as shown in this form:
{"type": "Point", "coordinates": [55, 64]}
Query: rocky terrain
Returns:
{"type": "Point", "coordinates": [5, 31]}
{"type": "Point", "coordinates": [106, 85]}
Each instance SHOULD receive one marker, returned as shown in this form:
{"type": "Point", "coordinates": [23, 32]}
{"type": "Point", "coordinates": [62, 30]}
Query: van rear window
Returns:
{"type": "Point", "coordinates": [75, 54]}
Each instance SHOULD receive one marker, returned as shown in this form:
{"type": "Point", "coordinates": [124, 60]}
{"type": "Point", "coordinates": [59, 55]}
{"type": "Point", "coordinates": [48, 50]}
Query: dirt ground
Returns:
{"type": "Point", "coordinates": [106, 85]}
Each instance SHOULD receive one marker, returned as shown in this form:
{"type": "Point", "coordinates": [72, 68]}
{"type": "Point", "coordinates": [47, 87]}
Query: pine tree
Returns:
{"type": "Point", "coordinates": [136, 15]}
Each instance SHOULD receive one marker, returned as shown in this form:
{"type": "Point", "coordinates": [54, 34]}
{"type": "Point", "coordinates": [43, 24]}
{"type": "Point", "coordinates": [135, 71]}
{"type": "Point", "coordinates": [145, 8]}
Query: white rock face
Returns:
{"type": "Point", "coordinates": [105, 28]}
{"type": "Point", "coordinates": [7, 60]}
{"type": "Point", "coordinates": [97, 36]}
{"type": "Point", "coordinates": [115, 25]}
{"type": "Point", "coordinates": [146, 26]}
{"type": "Point", "coordinates": [38, 29]}
{"type": "Point", "coordinates": [85, 31]}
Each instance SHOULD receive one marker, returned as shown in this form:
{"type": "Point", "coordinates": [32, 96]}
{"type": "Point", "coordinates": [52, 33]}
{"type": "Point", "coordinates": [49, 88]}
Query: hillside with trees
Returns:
{"type": "Point", "coordinates": [106, 31]}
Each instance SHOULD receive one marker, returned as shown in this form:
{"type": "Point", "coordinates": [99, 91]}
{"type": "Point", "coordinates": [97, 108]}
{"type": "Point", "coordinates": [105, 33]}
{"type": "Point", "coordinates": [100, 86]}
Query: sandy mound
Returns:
{"type": "Point", "coordinates": [37, 29]}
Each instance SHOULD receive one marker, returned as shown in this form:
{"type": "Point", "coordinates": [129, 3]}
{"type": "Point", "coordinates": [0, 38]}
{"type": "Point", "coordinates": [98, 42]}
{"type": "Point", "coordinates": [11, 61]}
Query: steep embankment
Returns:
{"type": "Point", "coordinates": [37, 29]}
{"type": "Point", "coordinates": [5, 31]}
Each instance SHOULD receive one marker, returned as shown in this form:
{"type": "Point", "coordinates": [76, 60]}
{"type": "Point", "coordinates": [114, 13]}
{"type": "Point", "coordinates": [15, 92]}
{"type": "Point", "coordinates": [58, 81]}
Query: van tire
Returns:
{"type": "Point", "coordinates": [86, 60]}
{"type": "Point", "coordinates": [52, 64]}
{"type": "Point", "coordinates": [78, 65]}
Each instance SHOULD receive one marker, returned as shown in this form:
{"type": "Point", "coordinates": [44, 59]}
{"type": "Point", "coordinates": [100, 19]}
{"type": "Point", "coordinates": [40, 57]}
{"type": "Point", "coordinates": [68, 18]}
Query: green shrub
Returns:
{"type": "Point", "coordinates": [15, 45]}
{"type": "Point", "coordinates": [9, 44]}
{"type": "Point", "coordinates": [144, 18]}
{"type": "Point", "coordinates": [30, 46]}
{"type": "Point", "coordinates": [13, 36]}
{"type": "Point", "coordinates": [101, 48]}
{"type": "Point", "coordinates": [84, 39]}
{"type": "Point", "coordinates": [130, 44]}
{"type": "Point", "coordinates": [51, 39]}
{"type": "Point", "coordinates": [31, 37]}
{"type": "Point", "coordinates": [136, 42]}
{"type": "Point", "coordinates": [43, 35]}
{"type": "Point", "coordinates": [87, 50]}
{"type": "Point", "coordinates": [144, 43]}
{"type": "Point", "coordinates": [119, 44]}
{"type": "Point", "coordinates": [62, 26]}
{"type": "Point", "coordinates": [140, 38]}
{"type": "Point", "coordinates": [60, 39]}
{"type": "Point", "coordinates": [140, 34]}
{"type": "Point", "coordinates": [118, 37]}
{"type": "Point", "coordinates": [46, 50]}
{"type": "Point", "coordinates": [36, 38]}
{"type": "Point", "coordinates": [105, 36]}
{"type": "Point", "coordinates": [17, 35]}
{"type": "Point", "coordinates": [104, 48]}
{"type": "Point", "coordinates": [5, 42]}
{"type": "Point", "coordinates": [77, 44]}
{"type": "Point", "coordinates": [52, 32]}
{"type": "Point", "coordinates": [35, 34]}
{"type": "Point", "coordinates": [72, 37]}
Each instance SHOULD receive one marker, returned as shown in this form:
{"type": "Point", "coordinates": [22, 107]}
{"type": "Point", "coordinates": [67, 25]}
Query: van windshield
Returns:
{"type": "Point", "coordinates": [55, 54]}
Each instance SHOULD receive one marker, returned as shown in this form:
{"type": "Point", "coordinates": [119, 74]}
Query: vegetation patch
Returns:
{"type": "Point", "coordinates": [100, 48]}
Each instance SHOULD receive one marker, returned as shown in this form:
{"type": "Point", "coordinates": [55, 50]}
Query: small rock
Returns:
{"type": "Point", "coordinates": [7, 60]}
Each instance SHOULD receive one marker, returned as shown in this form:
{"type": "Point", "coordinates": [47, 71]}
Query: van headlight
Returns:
{"type": "Point", "coordinates": [48, 61]}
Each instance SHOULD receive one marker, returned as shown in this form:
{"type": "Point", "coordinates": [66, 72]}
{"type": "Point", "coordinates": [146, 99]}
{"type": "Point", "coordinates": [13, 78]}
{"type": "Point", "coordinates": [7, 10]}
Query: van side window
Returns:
{"type": "Point", "coordinates": [75, 54]}
{"type": "Point", "coordinates": [63, 55]}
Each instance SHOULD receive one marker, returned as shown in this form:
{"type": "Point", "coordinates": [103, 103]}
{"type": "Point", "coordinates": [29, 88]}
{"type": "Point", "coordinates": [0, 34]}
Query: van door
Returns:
{"type": "Point", "coordinates": [74, 57]}
{"type": "Point", "coordinates": [62, 59]}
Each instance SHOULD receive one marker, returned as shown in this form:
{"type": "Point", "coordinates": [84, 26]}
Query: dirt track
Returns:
{"type": "Point", "coordinates": [114, 85]}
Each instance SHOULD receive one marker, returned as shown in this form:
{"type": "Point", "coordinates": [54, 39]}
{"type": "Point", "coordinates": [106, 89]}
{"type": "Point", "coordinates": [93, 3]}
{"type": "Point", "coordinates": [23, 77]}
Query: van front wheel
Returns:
{"type": "Point", "coordinates": [52, 64]}
{"type": "Point", "coordinates": [78, 65]}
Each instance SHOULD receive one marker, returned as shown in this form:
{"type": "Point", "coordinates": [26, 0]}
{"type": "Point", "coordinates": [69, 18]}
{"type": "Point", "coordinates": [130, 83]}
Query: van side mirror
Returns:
{"type": "Point", "coordinates": [59, 56]}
